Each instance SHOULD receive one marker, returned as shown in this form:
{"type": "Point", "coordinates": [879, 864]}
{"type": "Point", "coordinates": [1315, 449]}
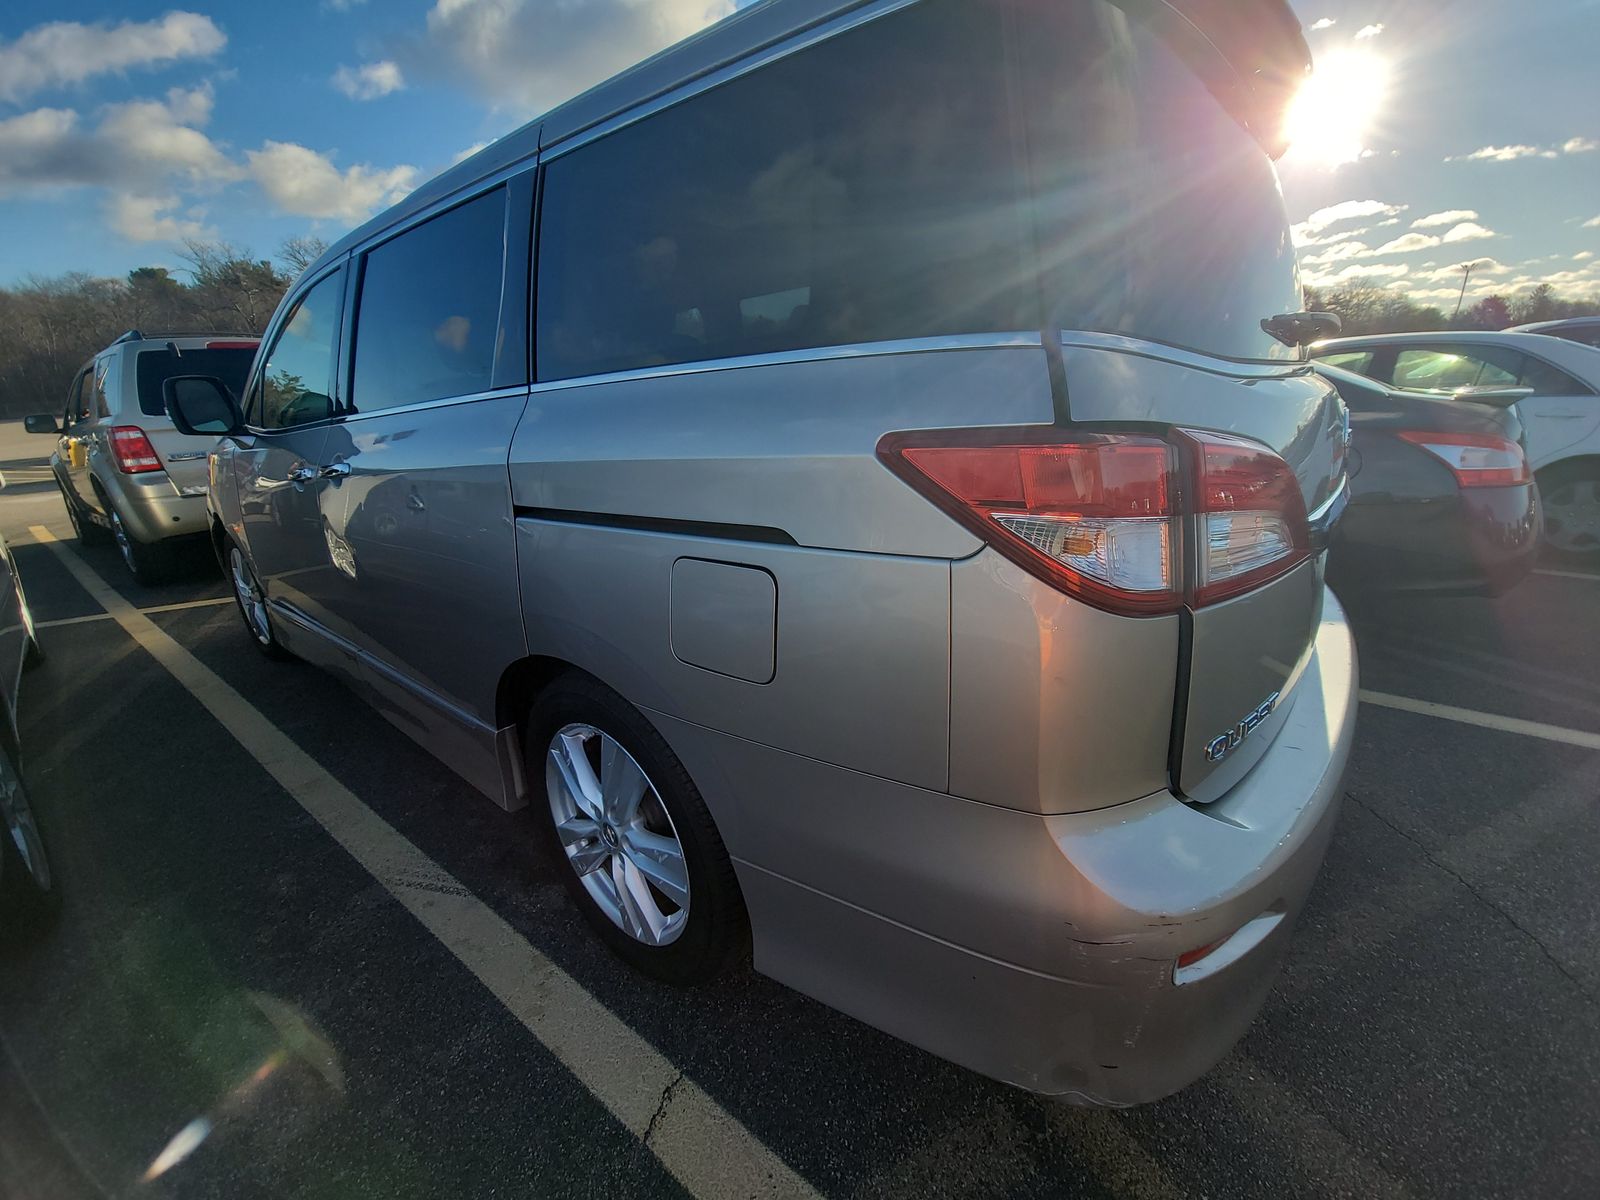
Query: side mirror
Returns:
{"type": "Point", "coordinates": [1502, 397]}
{"type": "Point", "coordinates": [41, 423]}
{"type": "Point", "coordinates": [201, 406]}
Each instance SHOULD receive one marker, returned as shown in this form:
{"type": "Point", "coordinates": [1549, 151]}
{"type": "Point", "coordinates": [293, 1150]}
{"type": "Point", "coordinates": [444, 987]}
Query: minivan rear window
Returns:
{"type": "Point", "coordinates": [154, 367]}
{"type": "Point", "coordinates": [957, 167]}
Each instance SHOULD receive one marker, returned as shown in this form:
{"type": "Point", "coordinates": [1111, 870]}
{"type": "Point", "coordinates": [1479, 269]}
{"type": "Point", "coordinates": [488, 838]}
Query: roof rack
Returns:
{"type": "Point", "coordinates": [133, 335]}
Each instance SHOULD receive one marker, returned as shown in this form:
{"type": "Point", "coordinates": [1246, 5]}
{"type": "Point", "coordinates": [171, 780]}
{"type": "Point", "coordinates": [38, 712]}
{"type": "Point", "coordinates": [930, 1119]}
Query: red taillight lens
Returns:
{"type": "Point", "coordinates": [1104, 516]}
{"type": "Point", "coordinates": [132, 452]}
{"type": "Point", "coordinates": [1476, 459]}
{"type": "Point", "coordinates": [1250, 516]}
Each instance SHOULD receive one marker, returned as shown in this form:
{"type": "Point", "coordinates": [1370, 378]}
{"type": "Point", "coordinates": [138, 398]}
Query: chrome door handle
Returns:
{"type": "Point", "coordinates": [336, 470]}
{"type": "Point", "coordinates": [302, 474]}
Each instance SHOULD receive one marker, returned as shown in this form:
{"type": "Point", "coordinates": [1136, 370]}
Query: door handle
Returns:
{"type": "Point", "coordinates": [302, 474]}
{"type": "Point", "coordinates": [336, 470]}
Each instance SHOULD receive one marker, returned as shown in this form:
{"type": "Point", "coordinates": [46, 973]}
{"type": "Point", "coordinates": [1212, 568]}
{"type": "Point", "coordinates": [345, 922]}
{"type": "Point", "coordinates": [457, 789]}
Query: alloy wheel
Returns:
{"type": "Point", "coordinates": [617, 834]}
{"type": "Point", "coordinates": [1572, 516]}
{"type": "Point", "coordinates": [124, 543]}
{"type": "Point", "coordinates": [16, 815]}
{"type": "Point", "coordinates": [251, 602]}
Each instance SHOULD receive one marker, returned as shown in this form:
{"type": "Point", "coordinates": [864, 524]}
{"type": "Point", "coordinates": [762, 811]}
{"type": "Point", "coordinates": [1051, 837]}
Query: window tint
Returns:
{"type": "Point", "coordinates": [1546, 380]}
{"type": "Point", "coordinates": [1359, 361]}
{"type": "Point", "coordinates": [863, 190]}
{"type": "Point", "coordinates": [297, 376]}
{"type": "Point", "coordinates": [429, 310]}
{"type": "Point", "coordinates": [1449, 369]}
{"type": "Point", "coordinates": [154, 367]}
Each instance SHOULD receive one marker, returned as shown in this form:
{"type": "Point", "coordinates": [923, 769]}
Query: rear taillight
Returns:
{"type": "Point", "coordinates": [132, 452]}
{"type": "Point", "coordinates": [1475, 459]}
{"type": "Point", "coordinates": [1109, 517]}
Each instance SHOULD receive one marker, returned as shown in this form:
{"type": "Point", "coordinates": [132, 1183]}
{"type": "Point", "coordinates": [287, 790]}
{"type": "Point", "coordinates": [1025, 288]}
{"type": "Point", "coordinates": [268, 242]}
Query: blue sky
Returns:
{"type": "Point", "coordinates": [127, 125]}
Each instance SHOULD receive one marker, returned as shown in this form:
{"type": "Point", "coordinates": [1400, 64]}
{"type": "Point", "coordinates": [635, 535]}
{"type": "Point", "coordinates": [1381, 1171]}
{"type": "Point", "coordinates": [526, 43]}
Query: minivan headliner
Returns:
{"type": "Point", "coordinates": [1260, 39]}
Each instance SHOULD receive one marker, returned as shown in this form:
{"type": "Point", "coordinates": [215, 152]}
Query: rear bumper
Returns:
{"type": "Point", "coordinates": [151, 508]}
{"type": "Point", "coordinates": [1038, 950]}
{"type": "Point", "coordinates": [1482, 539]}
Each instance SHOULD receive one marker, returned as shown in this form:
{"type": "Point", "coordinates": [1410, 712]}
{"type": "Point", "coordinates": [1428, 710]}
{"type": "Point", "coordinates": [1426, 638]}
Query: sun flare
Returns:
{"type": "Point", "coordinates": [1330, 119]}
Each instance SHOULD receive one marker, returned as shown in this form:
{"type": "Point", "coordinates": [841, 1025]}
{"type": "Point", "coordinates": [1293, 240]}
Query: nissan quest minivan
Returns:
{"type": "Point", "coordinates": [857, 479]}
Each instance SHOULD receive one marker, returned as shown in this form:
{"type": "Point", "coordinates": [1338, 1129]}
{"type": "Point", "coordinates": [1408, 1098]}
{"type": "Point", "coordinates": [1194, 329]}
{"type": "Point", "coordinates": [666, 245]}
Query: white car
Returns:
{"type": "Point", "coordinates": [1561, 416]}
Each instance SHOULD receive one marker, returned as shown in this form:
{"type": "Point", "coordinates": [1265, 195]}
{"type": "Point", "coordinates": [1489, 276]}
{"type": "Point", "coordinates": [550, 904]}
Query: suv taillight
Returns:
{"type": "Point", "coordinates": [1476, 459]}
{"type": "Point", "coordinates": [131, 450]}
{"type": "Point", "coordinates": [1109, 517]}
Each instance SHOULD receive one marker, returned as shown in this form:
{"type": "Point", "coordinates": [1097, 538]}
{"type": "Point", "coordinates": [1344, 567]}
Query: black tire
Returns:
{"type": "Point", "coordinates": [85, 530]}
{"type": "Point", "coordinates": [30, 892]}
{"type": "Point", "coordinates": [247, 591]}
{"type": "Point", "coordinates": [716, 930]}
{"type": "Point", "coordinates": [149, 563]}
{"type": "Point", "coordinates": [1570, 493]}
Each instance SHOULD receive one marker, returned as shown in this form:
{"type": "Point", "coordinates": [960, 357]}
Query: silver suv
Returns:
{"type": "Point", "coordinates": [124, 471]}
{"type": "Point", "coordinates": [857, 478]}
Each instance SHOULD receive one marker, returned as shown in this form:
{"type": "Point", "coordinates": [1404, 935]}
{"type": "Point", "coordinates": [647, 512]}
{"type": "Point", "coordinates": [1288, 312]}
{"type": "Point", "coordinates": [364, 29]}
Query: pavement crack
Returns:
{"type": "Point", "coordinates": [661, 1108]}
{"type": "Point", "coordinates": [1432, 860]}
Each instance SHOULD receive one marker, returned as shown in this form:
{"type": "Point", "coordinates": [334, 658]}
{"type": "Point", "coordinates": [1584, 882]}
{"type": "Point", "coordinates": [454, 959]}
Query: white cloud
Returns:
{"type": "Point", "coordinates": [1336, 252]}
{"type": "Point", "coordinates": [1579, 145]}
{"type": "Point", "coordinates": [1469, 231]}
{"type": "Point", "coordinates": [1449, 216]}
{"type": "Point", "coordinates": [530, 56]}
{"type": "Point", "coordinates": [1583, 256]}
{"type": "Point", "coordinates": [1323, 23]}
{"type": "Point", "coordinates": [1390, 221]}
{"type": "Point", "coordinates": [342, 5]}
{"type": "Point", "coordinates": [305, 183]}
{"type": "Point", "coordinates": [1480, 267]}
{"type": "Point", "coordinates": [369, 80]}
{"type": "Point", "coordinates": [68, 52]}
{"type": "Point", "coordinates": [1373, 271]}
{"type": "Point", "coordinates": [1348, 210]}
{"type": "Point", "coordinates": [1408, 243]}
{"type": "Point", "coordinates": [1592, 223]}
{"type": "Point", "coordinates": [151, 219]}
{"type": "Point", "coordinates": [1369, 31]}
{"type": "Point", "coordinates": [138, 146]}
{"type": "Point", "coordinates": [1503, 154]}
{"type": "Point", "coordinates": [471, 150]}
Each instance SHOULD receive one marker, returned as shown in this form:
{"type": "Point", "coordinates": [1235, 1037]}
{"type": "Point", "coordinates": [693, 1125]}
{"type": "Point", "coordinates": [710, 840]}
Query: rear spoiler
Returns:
{"type": "Point", "coordinates": [1251, 53]}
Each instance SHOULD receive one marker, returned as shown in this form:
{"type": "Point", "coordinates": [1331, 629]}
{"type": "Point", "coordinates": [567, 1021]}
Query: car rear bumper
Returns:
{"type": "Point", "coordinates": [151, 508]}
{"type": "Point", "coordinates": [1481, 539]}
{"type": "Point", "coordinates": [1039, 950]}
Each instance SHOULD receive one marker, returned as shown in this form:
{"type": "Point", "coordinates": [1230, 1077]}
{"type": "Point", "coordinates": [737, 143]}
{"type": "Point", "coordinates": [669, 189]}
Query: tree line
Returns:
{"type": "Point", "coordinates": [54, 325]}
{"type": "Point", "coordinates": [1371, 306]}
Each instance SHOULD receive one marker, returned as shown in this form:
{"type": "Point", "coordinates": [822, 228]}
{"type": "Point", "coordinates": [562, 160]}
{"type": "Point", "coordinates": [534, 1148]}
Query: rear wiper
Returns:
{"type": "Point", "coordinates": [1302, 328]}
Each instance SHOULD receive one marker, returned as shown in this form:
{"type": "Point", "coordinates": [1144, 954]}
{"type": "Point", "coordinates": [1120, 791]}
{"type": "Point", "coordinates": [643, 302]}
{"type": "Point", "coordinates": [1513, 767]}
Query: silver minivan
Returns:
{"type": "Point", "coordinates": [856, 478]}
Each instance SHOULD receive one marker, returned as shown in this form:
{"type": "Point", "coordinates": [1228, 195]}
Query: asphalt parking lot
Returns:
{"type": "Point", "coordinates": [299, 957]}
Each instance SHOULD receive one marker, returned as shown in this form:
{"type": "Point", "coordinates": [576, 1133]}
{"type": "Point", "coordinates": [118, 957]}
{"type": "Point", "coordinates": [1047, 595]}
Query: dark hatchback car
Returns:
{"type": "Point", "coordinates": [1441, 495]}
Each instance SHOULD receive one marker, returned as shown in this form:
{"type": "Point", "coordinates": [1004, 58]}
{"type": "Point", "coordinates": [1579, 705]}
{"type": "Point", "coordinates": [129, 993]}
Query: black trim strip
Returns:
{"type": "Point", "coordinates": [715, 530]}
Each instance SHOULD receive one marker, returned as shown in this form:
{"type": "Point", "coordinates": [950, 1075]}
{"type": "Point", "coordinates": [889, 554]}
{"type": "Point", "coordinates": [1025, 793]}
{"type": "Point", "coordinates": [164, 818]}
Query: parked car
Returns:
{"type": "Point", "coordinates": [1441, 495]}
{"type": "Point", "coordinates": [29, 891]}
{"type": "Point", "coordinates": [1585, 330]}
{"type": "Point", "coordinates": [125, 473]}
{"type": "Point", "coordinates": [984, 680]}
{"type": "Point", "coordinates": [1561, 418]}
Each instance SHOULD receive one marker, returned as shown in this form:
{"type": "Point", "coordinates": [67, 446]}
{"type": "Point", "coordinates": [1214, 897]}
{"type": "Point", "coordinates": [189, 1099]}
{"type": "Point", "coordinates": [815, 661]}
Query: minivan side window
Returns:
{"type": "Point", "coordinates": [429, 310]}
{"type": "Point", "coordinates": [297, 375]}
{"type": "Point", "coordinates": [866, 189]}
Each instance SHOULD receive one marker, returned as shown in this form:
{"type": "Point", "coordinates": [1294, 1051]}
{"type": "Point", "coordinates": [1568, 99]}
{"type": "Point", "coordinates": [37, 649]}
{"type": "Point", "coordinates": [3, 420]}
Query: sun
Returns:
{"type": "Point", "coordinates": [1330, 118]}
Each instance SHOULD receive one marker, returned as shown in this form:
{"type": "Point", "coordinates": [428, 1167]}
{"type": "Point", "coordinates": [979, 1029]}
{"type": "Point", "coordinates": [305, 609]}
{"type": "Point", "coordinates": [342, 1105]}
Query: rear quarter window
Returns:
{"type": "Point", "coordinates": [157, 365]}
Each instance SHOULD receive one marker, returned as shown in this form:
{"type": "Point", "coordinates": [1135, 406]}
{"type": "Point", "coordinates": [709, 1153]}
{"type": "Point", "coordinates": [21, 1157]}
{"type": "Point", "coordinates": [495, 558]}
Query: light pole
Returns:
{"type": "Point", "coordinates": [1466, 274]}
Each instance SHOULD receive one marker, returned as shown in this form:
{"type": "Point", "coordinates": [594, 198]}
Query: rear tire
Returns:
{"type": "Point", "coordinates": [30, 895]}
{"type": "Point", "coordinates": [150, 563]}
{"type": "Point", "coordinates": [1570, 494]}
{"type": "Point", "coordinates": [677, 915]}
{"type": "Point", "coordinates": [251, 600]}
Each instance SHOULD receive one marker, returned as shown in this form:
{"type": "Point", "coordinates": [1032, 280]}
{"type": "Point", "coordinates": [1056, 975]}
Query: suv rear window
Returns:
{"type": "Point", "coordinates": [157, 365]}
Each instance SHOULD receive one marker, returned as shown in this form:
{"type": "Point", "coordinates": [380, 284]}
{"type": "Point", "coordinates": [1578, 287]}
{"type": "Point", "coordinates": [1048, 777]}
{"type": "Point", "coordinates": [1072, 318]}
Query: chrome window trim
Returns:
{"type": "Point", "coordinates": [346, 418]}
{"type": "Point", "coordinates": [927, 345]}
{"type": "Point", "coordinates": [1123, 343]}
{"type": "Point", "coordinates": [749, 63]}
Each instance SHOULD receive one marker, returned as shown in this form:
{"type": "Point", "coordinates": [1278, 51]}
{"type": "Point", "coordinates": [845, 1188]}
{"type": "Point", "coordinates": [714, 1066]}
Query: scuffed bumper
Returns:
{"type": "Point", "coordinates": [1036, 950]}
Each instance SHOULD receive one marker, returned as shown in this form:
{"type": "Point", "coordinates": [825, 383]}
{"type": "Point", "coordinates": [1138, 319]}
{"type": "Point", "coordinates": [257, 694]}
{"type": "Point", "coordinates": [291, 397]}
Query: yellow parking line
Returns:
{"type": "Point", "coordinates": [694, 1138]}
{"type": "Point", "coordinates": [1468, 716]}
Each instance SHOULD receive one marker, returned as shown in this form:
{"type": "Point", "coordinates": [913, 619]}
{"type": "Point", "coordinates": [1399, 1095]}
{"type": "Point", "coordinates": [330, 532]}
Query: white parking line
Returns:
{"type": "Point", "coordinates": [1468, 716]}
{"type": "Point", "coordinates": [1567, 574]}
{"type": "Point", "coordinates": [694, 1138]}
{"type": "Point", "coordinates": [154, 608]}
